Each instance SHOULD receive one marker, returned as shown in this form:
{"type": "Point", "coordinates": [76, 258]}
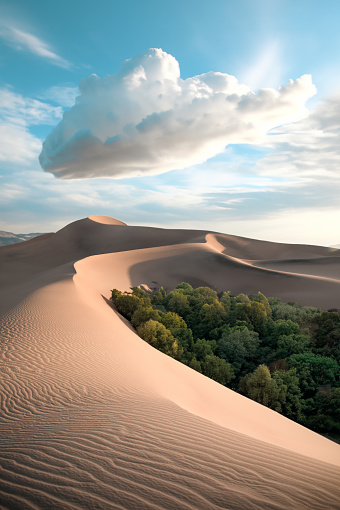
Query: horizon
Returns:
{"type": "Point", "coordinates": [36, 234]}
{"type": "Point", "coordinates": [231, 124]}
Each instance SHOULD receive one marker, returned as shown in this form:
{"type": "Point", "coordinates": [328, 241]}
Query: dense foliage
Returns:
{"type": "Point", "coordinates": [281, 355]}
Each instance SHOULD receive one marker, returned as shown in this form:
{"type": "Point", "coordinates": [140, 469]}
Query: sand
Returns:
{"type": "Point", "coordinates": [92, 417]}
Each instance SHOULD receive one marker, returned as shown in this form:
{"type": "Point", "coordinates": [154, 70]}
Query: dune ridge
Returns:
{"type": "Point", "coordinates": [93, 417]}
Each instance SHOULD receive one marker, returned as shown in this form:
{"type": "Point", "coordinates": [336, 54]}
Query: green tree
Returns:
{"type": "Point", "coordinates": [292, 344]}
{"type": "Point", "coordinates": [199, 297]}
{"type": "Point", "coordinates": [290, 393]}
{"type": "Point", "coordinates": [254, 313]}
{"type": "Point", "coordinates": [172, 320]}
{"type": "Point", "coordinates": [260, 298]}
{"type": "Point", "coordinates": [218, 369]}
{"type": "Point", "coordinates": [276, 329]}
{"type": "Point", "coordinates": [155, 334]}
{"type": "Point", "coordinates": [239, 347]}
{"type": "Point", "coordinates": [216, 333]}
{"type": "Point", "coordinates": [210, 316]}
{"type": "Point", "coordinates": [196, 365]}
{"type": "Point", "coordinates": [203, 347]}
{"type": "Point", "coordinates": [225, 300]}
{"type": "Point", "coordinates": [260, 386]}
{"type": "Point", "coordinates": [115, 294]}
{"type": "Point", "coordinates": [242, 299]}
{"type": "Point", "coordinates": [158, 297]}
{"type": "Point", "coordinates": [205, 295]}
{"type": "Point", "coordinates": [127, 304]}
{"type": "Point", "coordinates": [327, 335]}
{"type": "Point", "coordinates": [177, 302]}
{"type": "Point", "coordinates": [143, 315]}
{"type": "Point", "coordinates": [186, 342]}
{"type": "Point", "coordinates": [185, 288]}
{"type": "Point", "coordinates": [314, 371]}
{"type": "Point", "coordinates": [301, 344]}
{"type": "Point", "coordinates": [292, 311]}
{"type": "Point", "coordinates": [142, 294]}
{"type": "Point", "coordinates": [326, 417]}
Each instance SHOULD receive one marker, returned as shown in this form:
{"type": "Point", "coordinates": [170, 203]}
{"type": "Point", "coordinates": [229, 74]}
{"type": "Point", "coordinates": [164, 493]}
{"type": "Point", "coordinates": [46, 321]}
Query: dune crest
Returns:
{"type": "Point", "coordinates": [93, 417]}
{"type": "Point", "coordinates": [106, 220]}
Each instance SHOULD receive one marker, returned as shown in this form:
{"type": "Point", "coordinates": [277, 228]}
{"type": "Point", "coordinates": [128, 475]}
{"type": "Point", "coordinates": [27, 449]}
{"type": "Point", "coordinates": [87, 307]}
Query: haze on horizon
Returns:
{"type": "Point", "coordinates": [223, 117]}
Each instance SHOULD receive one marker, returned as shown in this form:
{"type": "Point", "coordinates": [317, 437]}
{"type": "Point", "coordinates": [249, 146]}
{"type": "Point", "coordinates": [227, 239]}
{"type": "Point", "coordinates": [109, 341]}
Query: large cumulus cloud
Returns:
{"type": "Point", "coordinates": [145, 119]}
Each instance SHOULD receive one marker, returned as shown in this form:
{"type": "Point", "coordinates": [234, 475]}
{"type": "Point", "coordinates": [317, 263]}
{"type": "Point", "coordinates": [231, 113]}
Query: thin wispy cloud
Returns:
{"type": "Point", "coordinates": [17, 144]}
{"type": "Point", "coordinates": [17, 114]}
{"type": "Point", "coordinates": [18, 109]}
{"type": "Point", "coordinates": [24, 41]}
{"type": "Point", "coordinates": [309, 150]}
{"type": "Point", "coordinates": [63, 95]}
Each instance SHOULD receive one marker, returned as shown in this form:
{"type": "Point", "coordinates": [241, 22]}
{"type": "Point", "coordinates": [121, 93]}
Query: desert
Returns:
{"type": "Point", "coordinates": [169, 255]}
{"type": "Point", "coordinates": [94, 417]}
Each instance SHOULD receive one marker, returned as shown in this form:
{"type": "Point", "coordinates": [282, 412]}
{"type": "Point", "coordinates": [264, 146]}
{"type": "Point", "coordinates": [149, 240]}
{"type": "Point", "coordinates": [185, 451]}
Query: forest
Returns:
{"type": "Point", "coordinates": [282, 355]}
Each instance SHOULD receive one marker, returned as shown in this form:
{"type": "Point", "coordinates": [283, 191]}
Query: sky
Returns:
{"type": "Point", "coordinates": [220, 115]}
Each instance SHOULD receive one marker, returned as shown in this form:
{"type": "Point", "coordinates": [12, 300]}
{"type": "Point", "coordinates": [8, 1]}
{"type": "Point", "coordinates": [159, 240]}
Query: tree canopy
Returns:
{"type": "Point", "coordinates": [281, 355]}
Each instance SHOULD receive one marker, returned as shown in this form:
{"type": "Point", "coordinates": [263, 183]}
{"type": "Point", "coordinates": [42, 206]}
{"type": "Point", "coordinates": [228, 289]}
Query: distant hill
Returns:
{"type": "Point", "coordinates": [10, 238]}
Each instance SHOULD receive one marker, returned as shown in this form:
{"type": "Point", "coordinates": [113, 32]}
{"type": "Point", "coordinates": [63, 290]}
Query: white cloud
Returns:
{"type": "Point", "coordinates": [20, 40]}
{"type": "Point", "coordinates": [10, 192]}
{"type": "Point", "coordinates": [17, 145]}
{"type": "Point", "coordinates": [17, 114]}
{"type": "Point", "coordinates": [309, 150]}
{"type": "Point", "coordinates": [146, 120]}
{"type": "Point", "coordinates": [62, 95]}
{"type": "Point", "coordinates": [18, 109]}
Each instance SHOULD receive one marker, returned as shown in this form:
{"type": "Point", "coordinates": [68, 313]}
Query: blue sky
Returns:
{"type": "Point", "coordinates": [207, 133]}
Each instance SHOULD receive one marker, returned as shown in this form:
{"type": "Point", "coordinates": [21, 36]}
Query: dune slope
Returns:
{"type": "Point", "coordinates": [93, 417]}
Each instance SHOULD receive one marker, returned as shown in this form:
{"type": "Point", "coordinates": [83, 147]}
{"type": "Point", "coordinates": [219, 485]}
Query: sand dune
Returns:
{"type": "Point", "coordinates": [93, 417]}
{"type": "Point", "coordinates": [253, 249]}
